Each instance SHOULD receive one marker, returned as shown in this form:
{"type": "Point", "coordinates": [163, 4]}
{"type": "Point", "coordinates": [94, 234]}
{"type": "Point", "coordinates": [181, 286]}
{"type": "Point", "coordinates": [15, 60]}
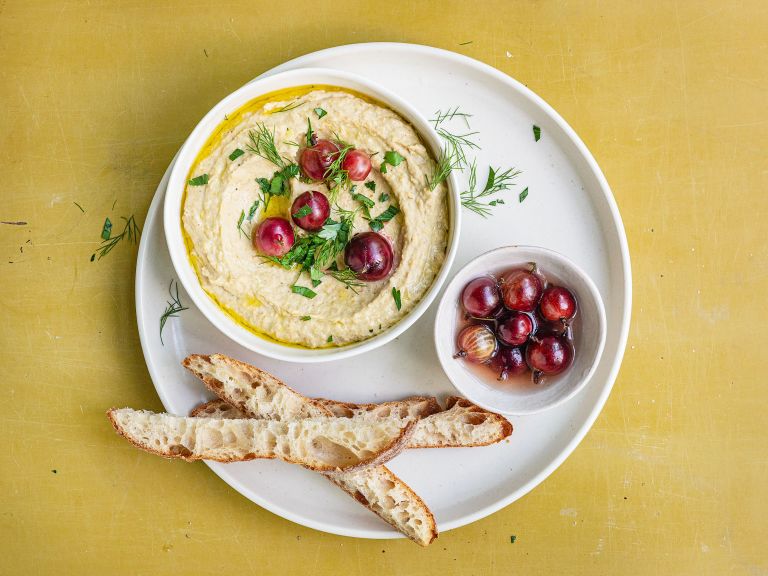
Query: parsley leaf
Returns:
{"type": "Point", "coordinates": [330, 339]}
{"type": "Point", "coordinates": [310, 134]}
{"type": "Point", "coordinates": [316, 276]}
{"type": "Point", "coordinates": [396, 297]}
{"type": "Point", "coordinates": [106, 231]}
{"type": "Point", "coordinates": [392, 158]}
{"type": "Point", "coordinates": [536, 133]}
{"type": "Point", "coordinates": [305, 318]}
{"type": "Point", "coordinates": [371, 185]}
{"type": "Point", "coordinates": [201, 180]}
{"type": "Point", "coordinates": [252, 210]}
{"type": "Point", "coordinates": [303, 211]}
{"type": "Point", "coordinates": [236, 153]}
{"type": "Point", "coordinates": [320, 112]}
{"type": "Point", "coordinates": [383, 197]}
{"type": "Point", "coordinates": [377, 223]}
{"type": "Point", "coordinates": [366, 202]}
{"type": "Point", "coordinates": [303, 291]}
{"type": "Point", "coordinates": [523, 195]}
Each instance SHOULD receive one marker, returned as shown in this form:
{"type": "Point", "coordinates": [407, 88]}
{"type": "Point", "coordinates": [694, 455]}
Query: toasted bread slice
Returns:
{"type": "Point", "coordinates": [414, 407]}
{"type": "Point", "coordinates": [251, 390]}
{"type": "Point", "coordinates": [462, 425]}
{"type": "Point", "coordinates": [321, 444]}
{"type": "Point", "coordinates": [377, 488]}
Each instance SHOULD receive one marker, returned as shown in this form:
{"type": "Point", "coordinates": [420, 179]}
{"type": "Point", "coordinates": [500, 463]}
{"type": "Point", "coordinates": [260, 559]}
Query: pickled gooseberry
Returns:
{"type": "Point", "coordinates": [520, 290]}
{"type": "Point", "coordinates": [316, 160]}
{"type": "Point", "coordinates": [548, 355]}
{"type": "Point", "coordinates": [369, 255]}
{"type": "Point", "coordinates": [515, 329]}
{"type": "Point", "coordinates": [480, 297]}
{"type": "Point", "coordinates": [357, 164]}
{"type": "Point", "coordinates": [476, 344]}
{"type": "Point", "coordinates": [510, 361]}
{"type": "Point", "coordinates": [273, 237]}
{"type": "Point", "coordinates": [557, 303]}
{"type": "Point", "coordinates": [310, 210]}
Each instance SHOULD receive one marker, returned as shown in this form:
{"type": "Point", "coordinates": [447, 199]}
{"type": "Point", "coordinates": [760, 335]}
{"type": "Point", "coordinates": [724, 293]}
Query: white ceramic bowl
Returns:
{"type": "Point", "coordinates": [589, 330]}
{"type": "Point", "coordinates": [175, 192]}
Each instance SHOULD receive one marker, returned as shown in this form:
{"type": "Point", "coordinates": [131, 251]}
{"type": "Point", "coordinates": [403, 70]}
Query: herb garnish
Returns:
{"type": "Point", "coordinates": [495, 183]}
{"type": "Point", "coordinates": [396, 297]}
{"type": "Point", "coordinates": [335, 174]}
{"type": "Point", "coordinates": [303, 291]}
{"type": "Point", "coordinates": [174, 306]}
{"type": "Point", "coordinates": [453, 155]}
{"type": "Point", "coordinates": [311, 139]}
{"type": "Point", "coordinates": [263, 144]}
{"type": "Point", "coordinates": [330, 339]}
{"type": "Point", "coordinates": [536, 133]}
{"type": "Point", "coordinates": [236, 153]}
{"type": "Point", "coordinates": [305, 318]}
{"type": "Point", "coordinates": [240, 225]}
{"type": "Point", "coordinates": [252, 210]}
{"type": "Point", "coordinates": [278, 185]}
{"type": "Point", "coordinates": [392, 158]}
{"type": "Point", "coordinates": [446, 163]}
{"type": "Point", "coordinates": [320, 112]}
{"type": "Point", "coordinates": [201, 180]}
{"type": "Point", "coordinates": [289, 106]}
{"type": "Point", "coordinates": [366, 202]}
{"type": "Point", "coordinates": [106, 231]}
{"type": "Point", "coordinates": [303, 211]}
{"type": "Point", "coordinates": [371, 185]}
{"type": "Point", "coordinates": [131, 232]}
{"type": "Point", "coordinates": [377, 223]}
{"type": "Point", "coordinates": [383, 197]}
{"type": "Point", "coordinates": [523, 195]}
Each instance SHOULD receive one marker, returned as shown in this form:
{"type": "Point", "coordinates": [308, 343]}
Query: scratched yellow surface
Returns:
{"type": "Point", "coordinates": [96, 97]}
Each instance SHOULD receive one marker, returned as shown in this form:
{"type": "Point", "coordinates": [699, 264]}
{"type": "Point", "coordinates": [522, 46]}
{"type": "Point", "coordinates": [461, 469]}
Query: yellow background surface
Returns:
{"type": "Point", "coordinates": [96, 97]}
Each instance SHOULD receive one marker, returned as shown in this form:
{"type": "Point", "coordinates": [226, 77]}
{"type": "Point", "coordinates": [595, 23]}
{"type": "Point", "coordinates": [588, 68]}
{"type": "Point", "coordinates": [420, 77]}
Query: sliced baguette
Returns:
{"type": "Point", "coordinates": [320, 444]}
{"type": "Point", "coordinates": [414, 407]}
{"type": "Point", "coordinates": [461, 425]}
{"type": "Point", "coordinates": [376, 487]}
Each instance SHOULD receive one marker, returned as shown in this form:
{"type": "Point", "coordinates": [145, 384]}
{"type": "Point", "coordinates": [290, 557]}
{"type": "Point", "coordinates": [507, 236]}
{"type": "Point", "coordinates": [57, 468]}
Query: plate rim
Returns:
{"type": "Point", "coordinates": [623, 335]}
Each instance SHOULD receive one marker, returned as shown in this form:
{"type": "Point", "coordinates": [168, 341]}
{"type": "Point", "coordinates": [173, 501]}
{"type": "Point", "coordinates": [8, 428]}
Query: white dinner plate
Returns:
{"type": "Point", "coordinates": [569, 209]}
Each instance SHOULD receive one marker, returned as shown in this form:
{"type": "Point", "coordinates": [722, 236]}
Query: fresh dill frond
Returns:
{"type": "Point", "coordinates": [335, 175]}
{"type": "Point", "coordinates": [172, 309]}
{"type": "Point", "coordinates": [346, 277]}
{"type": "Point", "coordinates": [449, 115]}
{"type": "Point", "coordinates": [263, 144]}
{"type": "Point", "coordinates": [289, 106]}
{"type": "Point", "coordinates": [459, 143]}
{"type": "Point", "coordinates": [478, 200]}
{"type": "Point", "coordinates": [130, 232]}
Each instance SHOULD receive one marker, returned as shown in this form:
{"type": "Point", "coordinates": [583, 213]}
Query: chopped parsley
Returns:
{"type": "Point", "coordinates": [106, 231]}
{"type": "Point", "coordinates": [201, 180]}
{"type": "Point", "coordinates": [303, 291]}
{"type": "Point", "coordinates": [371, 185]}
{"type": "Point", "coordinates": [305, 318]}
{"type": "Point", "coordinates": [377, 223]}
{"type": "Point", "coordinates": [523, 195]}
{"type": "Point", "coordinates": [396, 297]}
{"type": "Point", "coordinates": [252, 210]}
{"type": "Point", "coordinates": [303, 211]}
{"type": "Point", "coordinates": [330, 339]}
{"type": "Point", "coordinates": [383, 197]}
{"type": "Point", "coordinates": [392, 158]}
{"type": "Point", "coordinates": [536, 133]}
{"type": "Point", "coordinates": [130, 232]}
{"type": "Point", "coordinates": [236, 153]}
{"type": "Point", "coordinates": [279, 185]}
{"type": "Point", "coordinates": [320, 112]}
{"type": "Point", "coordinates": [310, 134]}
{"type": "Point", "coordinates": [366, 202]}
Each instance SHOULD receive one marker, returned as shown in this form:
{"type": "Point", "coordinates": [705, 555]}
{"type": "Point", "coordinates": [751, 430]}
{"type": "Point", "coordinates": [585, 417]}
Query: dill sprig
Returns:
{"type": "Point", "coordinates": [335, 175]}
{"type": "Point", "coordinates": [130, 232]}
{"type": "Point", "coordinates": [449, 115]}
{"type": "Point", "coordinates": [289, 106]}
{"type": "Point", "coordinates": [263, 144]}
{"type": "Point", "coordinates": [446, 163]}
{"type": "Point", "coordinates": [496, 182]}
{"type": "Point", "coordinates": [346, 277]}
{"type": "Point", "coordinates": [453, 156]}
{"type": "Point", "coordinates": [174, 306]}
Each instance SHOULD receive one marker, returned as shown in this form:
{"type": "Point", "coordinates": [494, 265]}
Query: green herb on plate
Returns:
{"type": "Point", "coordinates": [174, 306]}
{"type": "Point", "coordinates": [106, 230]}
{"type": "Point", "coordinates": [396, 297]}
{"type": "Point", "coordinates": [236, 153]}
{"type": "Point", "coordinates": [536, 133]}
{"type": "Point", "coordinates": [201, 180]}
{"type": "Point", "coordinates": [391, 158]}
{"type": "Point", "coordinates": [320, 112]}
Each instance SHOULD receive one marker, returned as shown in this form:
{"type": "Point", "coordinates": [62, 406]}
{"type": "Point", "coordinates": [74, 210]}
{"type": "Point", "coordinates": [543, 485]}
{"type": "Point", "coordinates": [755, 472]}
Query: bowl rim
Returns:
{"type": "Point", "coordinates": [175, 192]}
{"type": "Point", "coordinates": [468, 390]}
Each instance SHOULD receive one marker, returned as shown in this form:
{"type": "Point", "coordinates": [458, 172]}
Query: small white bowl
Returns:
{"type": "Point", "coordinates": [589, 331]}
{"type": "Point", "coordinates": [175, 193]}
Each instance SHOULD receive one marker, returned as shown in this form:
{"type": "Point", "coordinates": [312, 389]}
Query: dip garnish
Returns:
{"type": "Point", "coordinates": [263, 144]}
{"type": "Point", "coordinates": [320, 112]}
{"type": "Point", "coordinates": [236, 153]}
{"type": "Point", "coordinates": [303, 291]}
{"type": "Point", "coordinates": [201, 180]}
{"type": "Point", "coordinates": [536, 133]}
{"type": "Point", "coordinates": [377, 223]}
{"type": "Point", "coordinates": [305, 210]}
{"type": "Point", "coordinates": [174, 306]}
{"type": "Point", "coordinates": [383, 197]}
{"type": "Point", "coordinates": [371, 185]}
{"type": "Point", "coordinates": [392, 158]}
{"type": "Point", "coordinates": [396, 297]}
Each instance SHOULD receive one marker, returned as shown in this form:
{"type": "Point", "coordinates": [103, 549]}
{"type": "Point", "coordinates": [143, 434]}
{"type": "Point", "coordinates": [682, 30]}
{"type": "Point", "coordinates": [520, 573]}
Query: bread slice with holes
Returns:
{"type": "Point", "coordinates": [461, 425]}
{"type": "Point", "coordinates": [376, 487]}
{"type": "Point", "coordinates": [326, 444]}
{"type": "Point", "coordinates": [413, 407]}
